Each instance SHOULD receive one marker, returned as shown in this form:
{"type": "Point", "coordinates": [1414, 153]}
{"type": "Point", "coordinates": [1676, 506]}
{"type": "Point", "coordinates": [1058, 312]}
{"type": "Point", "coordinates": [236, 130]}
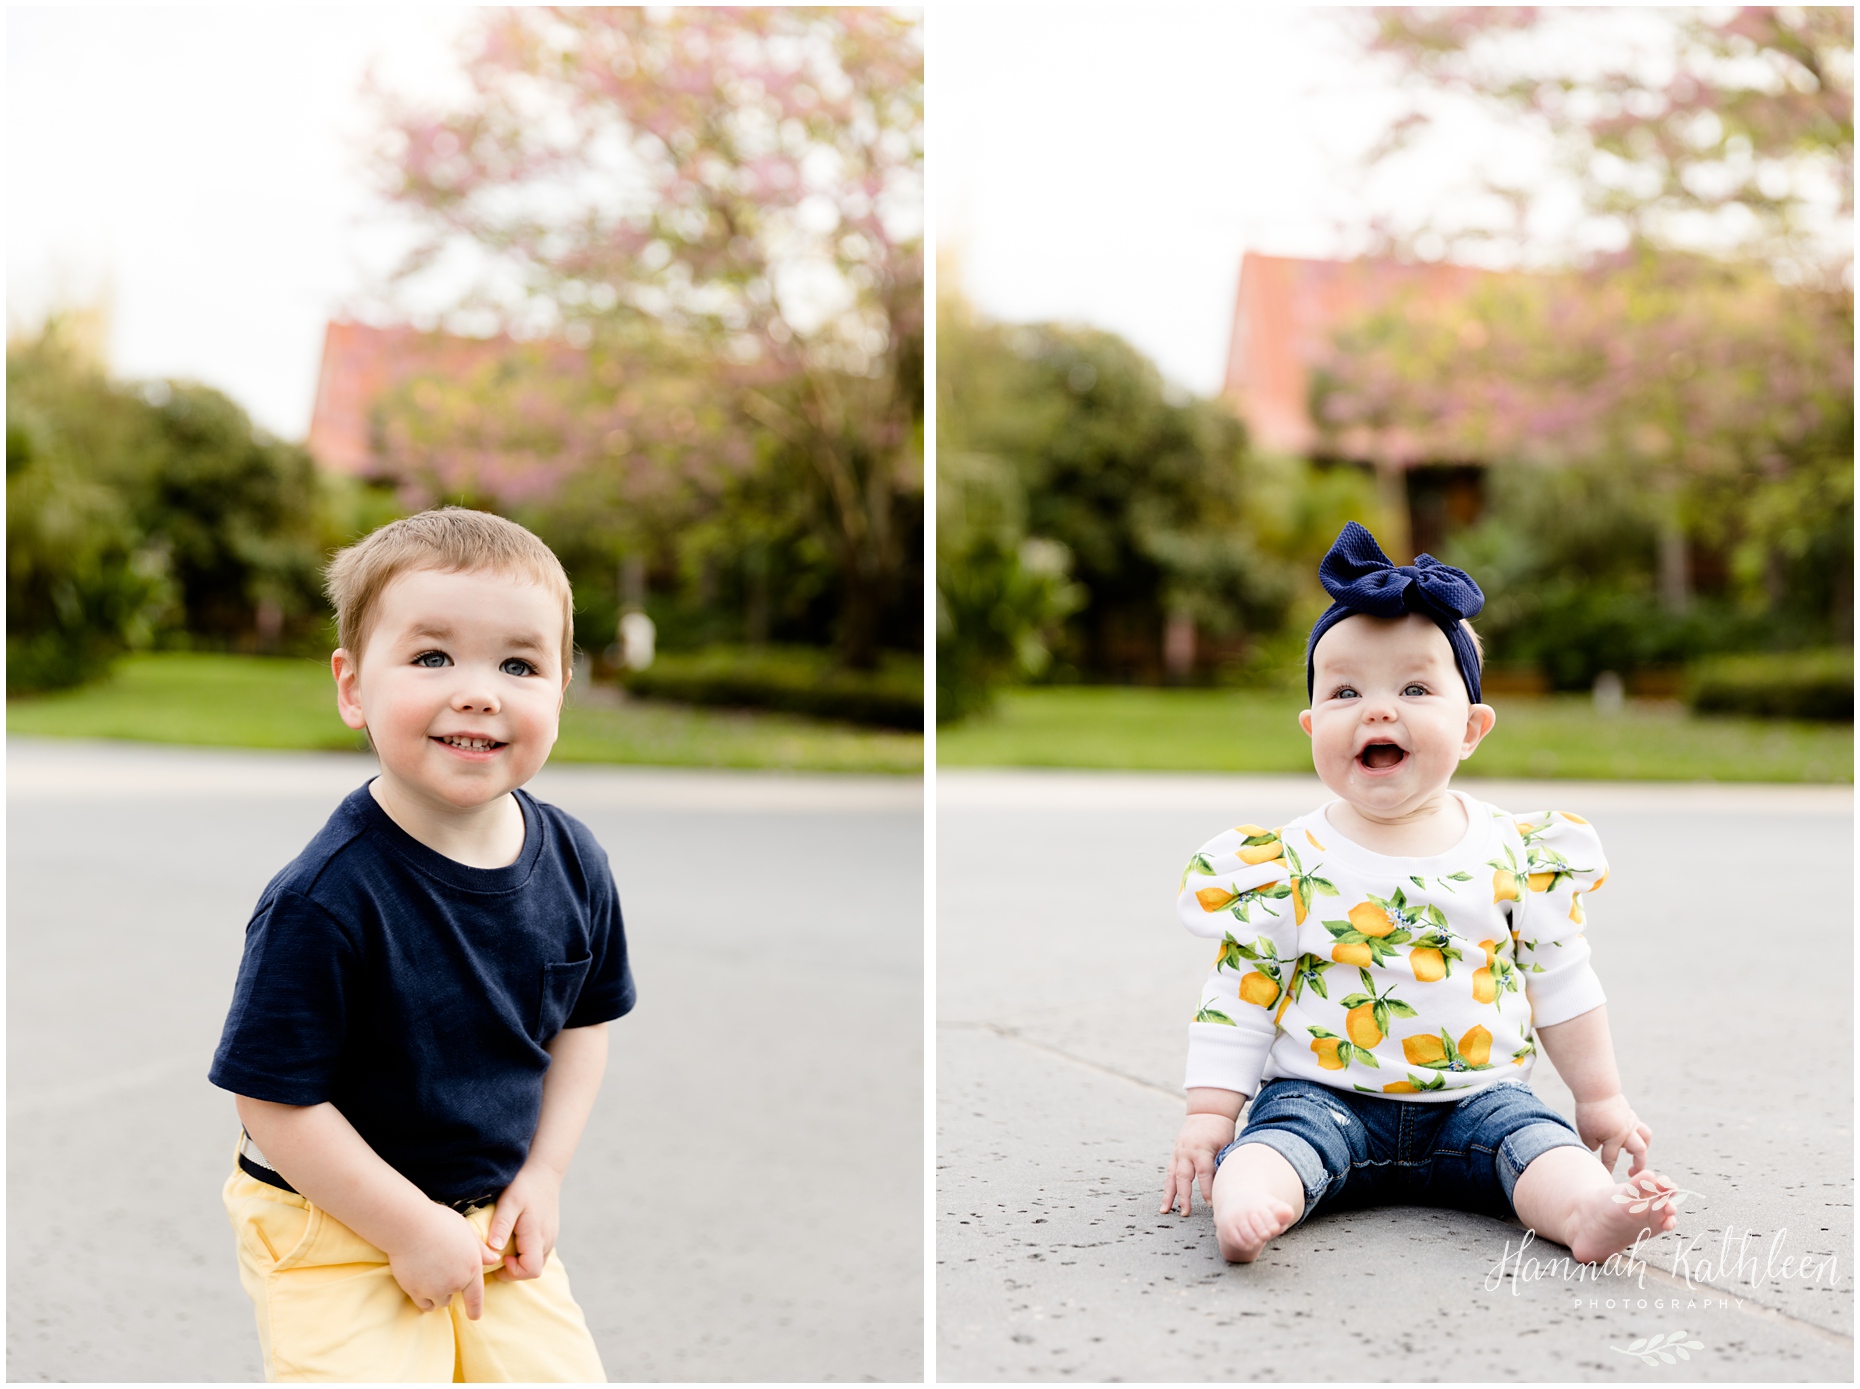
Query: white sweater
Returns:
{"type": "Point", "coordinates": [1416, 977]}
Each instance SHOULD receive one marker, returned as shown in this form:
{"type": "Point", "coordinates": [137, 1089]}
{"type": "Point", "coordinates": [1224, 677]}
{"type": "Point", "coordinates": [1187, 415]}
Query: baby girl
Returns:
{"type": "Point", "coordinates": [1390, 961]}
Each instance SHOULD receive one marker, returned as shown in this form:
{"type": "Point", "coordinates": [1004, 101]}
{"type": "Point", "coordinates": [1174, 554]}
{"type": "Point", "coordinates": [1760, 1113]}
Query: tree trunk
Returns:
{"type": "Point", "coordinates": [1397, 538]}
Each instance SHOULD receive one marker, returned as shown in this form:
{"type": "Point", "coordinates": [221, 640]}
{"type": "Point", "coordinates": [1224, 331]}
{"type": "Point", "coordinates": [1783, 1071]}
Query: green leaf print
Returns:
{"type": "Point", "coordinates": [1208, 1014]}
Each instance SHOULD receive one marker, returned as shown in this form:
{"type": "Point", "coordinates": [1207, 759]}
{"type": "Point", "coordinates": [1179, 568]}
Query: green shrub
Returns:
{"type": "Point", "coordinates": [795, 679]}
{"type": "Point", "coordinates": [1776, 685]}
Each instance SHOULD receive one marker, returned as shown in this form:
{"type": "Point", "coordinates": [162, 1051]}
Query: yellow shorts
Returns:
{"type": "Point", "coordinates": [329, 1310]}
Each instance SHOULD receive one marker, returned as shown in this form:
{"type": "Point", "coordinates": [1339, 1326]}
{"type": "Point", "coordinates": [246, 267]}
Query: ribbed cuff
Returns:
{"type": "Point", "coordinates": [1226, 1058]}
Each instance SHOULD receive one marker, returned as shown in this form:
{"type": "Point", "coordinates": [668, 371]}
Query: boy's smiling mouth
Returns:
{"type": "Point", "coordinates": [1379, 757]}
{"type": "Point", "coordinates": [468, 744]}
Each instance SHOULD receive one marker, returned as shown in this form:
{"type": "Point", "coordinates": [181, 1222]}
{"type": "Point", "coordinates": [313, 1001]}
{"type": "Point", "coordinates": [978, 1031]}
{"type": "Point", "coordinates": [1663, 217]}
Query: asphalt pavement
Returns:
{"type": "Point", "coordinates": [747, 1202]}
{"type": "Point", "coordinates": [1064, 984]}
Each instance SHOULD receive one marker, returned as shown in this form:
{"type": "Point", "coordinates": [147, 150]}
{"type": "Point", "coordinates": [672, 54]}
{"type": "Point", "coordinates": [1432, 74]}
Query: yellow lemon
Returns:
{"type": "Point", "coordinates": [1476, 1046]}
{"type": "Point", "coordinates": [1357, 954]}
{"type": "Point", "coordinates": [1326, 1049]}
{"type": "Point", "coordinates": [1423, 1049]}
{"type": "Point", "coordinates": [1485, 987]}
{"type": "Point", "coordinates": [1251, 831]}
{"type": "Point", "coordinates": [1427, 963]}
{"type": "Point", "coordinates": [1360, 1023]}
{"type": "Point", "coordinates": [1540, 882]}
{"type": "Point", "coordinates": [1212, 899]}
{"type": "Point", "coordinates": [1257, 988]}
{"type": "Point", "coordinates": [1573, 819]}
{"type": "Point", "coordinates": [1400, 1087]}
{"type": "Point", "coordinates": [1575, 910]}
{"type": "Point", "coordinates": [1491, 951]}
{"type": "Point", "coordinates": [1504, 886]}
{"type": "Point", "coordinates": [1596, 886]}
{"type": "Point", "coordinates": [1370, 919]}
{"type": "Point", "coordinates": [1313, 843]}
{"type": "Point", "coordinates": [1261, 853]}
{"type": "Point", "coordinates": [1298, 904]}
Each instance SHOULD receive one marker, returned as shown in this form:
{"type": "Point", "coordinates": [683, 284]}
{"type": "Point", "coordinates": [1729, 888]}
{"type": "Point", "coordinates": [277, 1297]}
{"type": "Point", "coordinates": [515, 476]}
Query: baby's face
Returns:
{"type": "Point", "coordinates": [1390, 719]}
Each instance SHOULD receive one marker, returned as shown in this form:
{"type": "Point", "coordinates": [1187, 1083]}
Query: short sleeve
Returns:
{"type": "Point", "coordinates": [1563, 862]}
{"type": "Point", "coordinates": [284, 1034]}
{"type": "Point", "coordinates": [1236, 889]}
{"type": "Point", "coordinates": [607, 992]}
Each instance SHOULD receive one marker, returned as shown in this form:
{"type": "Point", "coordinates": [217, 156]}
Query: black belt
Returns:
{"type": "Point", "coordinates": [272, 1177]}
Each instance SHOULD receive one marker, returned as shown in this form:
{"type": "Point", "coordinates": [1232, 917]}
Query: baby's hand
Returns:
{"type": "Point", "coordinates": [1612, 1125]}
{"type": "Point", "coordinates": [1201, 1137]}
{"type": "Point", "coordinates": [446, 1257]}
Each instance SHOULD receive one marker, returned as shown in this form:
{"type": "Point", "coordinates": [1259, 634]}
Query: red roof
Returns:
{"type": "Point", "coordinates": [1285, 313]}
{"type": "Point", "coordinates": [361, 364]}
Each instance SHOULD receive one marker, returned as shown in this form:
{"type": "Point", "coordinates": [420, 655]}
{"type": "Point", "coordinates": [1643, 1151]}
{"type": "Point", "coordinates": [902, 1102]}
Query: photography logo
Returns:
{"type": "Point", "coordinates": [1660, 1350]}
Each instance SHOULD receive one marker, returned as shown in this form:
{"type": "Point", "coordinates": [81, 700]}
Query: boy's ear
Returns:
{"type": "Point", "coordinates": [348, 688]}
{"type": "Point", "coordinates": [1304, 722]}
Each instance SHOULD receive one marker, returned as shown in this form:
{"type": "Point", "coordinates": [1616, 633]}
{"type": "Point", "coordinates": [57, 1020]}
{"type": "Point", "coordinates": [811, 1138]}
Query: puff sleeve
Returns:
{"type": "Point", "coordinates": [1237, 890]}
{"type": "Point", "coordinates": [1562, 862]}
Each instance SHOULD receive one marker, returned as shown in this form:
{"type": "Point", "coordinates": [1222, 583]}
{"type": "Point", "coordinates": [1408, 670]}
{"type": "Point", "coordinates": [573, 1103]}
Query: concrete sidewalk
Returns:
{"type": "Point", "coordinates": [1725, 941]}
{"type": "Point", "coordinates": [724, 1219]}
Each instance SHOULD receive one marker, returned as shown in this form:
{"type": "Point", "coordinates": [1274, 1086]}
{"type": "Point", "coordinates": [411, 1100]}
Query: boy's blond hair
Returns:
{"type": "Point", "coordinates": [451, 540]}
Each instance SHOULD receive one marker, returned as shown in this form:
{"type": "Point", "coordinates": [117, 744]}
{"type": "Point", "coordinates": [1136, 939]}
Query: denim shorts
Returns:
{"type": "Point", "coordinates": [1353, 1150]}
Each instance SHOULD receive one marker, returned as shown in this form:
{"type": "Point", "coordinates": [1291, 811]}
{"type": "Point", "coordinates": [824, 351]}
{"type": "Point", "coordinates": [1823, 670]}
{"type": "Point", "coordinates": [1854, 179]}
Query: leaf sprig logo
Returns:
{"type": "Point", "coordinates": [1656, 1198]}
{"type": "Point", "coordinates": [1659, 1350]}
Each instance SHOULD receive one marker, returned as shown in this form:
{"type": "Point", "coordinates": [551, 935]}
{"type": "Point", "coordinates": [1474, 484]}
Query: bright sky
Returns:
{"type": "Point", "coordinates": [1111, 166]}
{"type": "Point", "coordinates": [201, 167]}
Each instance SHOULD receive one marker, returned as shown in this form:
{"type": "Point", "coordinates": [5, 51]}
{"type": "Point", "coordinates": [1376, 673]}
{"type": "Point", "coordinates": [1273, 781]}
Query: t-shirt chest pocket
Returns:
{"type": "Point", "coordinates": [561, 986]}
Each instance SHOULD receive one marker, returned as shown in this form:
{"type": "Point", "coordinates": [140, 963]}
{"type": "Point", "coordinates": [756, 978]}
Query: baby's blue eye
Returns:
{"type": "Point", "coordinates": [432, 660]}
{"type": "Point", "coordinates": [1415, 690]}
{"type": "Point", "coordinates": [523, 667]}
{"type": "Point", "coordinates": [1346, 692]}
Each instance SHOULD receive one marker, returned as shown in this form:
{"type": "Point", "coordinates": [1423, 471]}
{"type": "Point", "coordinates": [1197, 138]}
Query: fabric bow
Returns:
{"type": "Point", "coordinates": [1361, 579]}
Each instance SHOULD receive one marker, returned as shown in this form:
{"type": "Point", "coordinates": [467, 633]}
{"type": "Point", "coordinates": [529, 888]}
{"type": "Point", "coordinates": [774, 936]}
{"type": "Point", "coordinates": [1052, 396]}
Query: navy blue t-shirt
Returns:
{"type": "Point", "coordinates": [415, 993]}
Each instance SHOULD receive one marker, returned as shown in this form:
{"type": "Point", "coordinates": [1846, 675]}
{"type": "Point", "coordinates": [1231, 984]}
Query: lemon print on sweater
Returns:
{"type": "Point", "coordinates": [1377, 925]}
{"type": "Point", "coordinates": [1473, 1052]}
{"type": "Point", "coordinates": [1369, 1014]}
{"type": "Point", "coordinates": [1306, 884]}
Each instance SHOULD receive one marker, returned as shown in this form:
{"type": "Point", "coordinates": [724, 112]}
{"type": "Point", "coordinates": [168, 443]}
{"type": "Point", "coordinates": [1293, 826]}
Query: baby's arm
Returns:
{"type": "Point", "coordinates": [530, 1207]}
{"type": "Point", "coordinates": [1584, 1055]}
{"type": "Point", "coordinates": [432, 1251]}
{"type": "Point", "coordinates": [1208, 1128]}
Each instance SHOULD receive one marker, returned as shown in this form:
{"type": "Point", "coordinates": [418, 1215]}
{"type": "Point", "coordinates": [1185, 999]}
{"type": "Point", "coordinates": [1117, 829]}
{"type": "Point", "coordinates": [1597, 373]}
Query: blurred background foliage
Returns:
{"type": "Point", "coordinates": [1649, 413]}
{"type": "Point", "coordinates": [706, 395]}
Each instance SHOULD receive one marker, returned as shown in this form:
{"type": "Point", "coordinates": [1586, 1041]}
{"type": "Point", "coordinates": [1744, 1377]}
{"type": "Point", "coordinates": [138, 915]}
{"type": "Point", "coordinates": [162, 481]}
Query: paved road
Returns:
{"type": "Point", "coordinates": [1725, 940]}
{"type": "Point", "coordinates": [747, 1203]}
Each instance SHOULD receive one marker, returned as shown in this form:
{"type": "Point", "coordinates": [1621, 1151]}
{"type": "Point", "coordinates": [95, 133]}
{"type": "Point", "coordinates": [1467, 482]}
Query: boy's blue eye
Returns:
{"type": "Point", "coordinates": [432, 660]}
{"type": "Point", "coordinates": [523, 667]}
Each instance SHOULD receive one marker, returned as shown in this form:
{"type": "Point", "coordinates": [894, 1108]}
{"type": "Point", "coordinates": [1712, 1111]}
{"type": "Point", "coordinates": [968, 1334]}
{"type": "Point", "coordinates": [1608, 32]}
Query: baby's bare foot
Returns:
{"type": "Point", "coordinates": [1245, 1228]}
{"type": "Point", "coordinates": [1613, 1217]}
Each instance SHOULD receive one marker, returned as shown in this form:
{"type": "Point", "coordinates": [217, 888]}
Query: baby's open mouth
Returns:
{"type": "Point", "coordinates": [1380, 756]}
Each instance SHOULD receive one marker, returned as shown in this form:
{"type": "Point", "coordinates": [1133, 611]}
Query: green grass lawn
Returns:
{"type": "Point", "coordinates": [264, 702]}
{"type": "Point", "coordinates": [1234, 731]}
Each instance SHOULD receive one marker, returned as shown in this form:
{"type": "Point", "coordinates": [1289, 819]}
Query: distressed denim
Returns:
{"type": "Point", "coordinates": [1352, 1150]}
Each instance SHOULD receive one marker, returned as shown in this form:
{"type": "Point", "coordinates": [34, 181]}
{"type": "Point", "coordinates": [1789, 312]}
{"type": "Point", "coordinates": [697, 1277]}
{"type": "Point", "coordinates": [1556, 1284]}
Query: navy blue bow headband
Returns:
{"type": "Point", "coordinates": [1360, 579]}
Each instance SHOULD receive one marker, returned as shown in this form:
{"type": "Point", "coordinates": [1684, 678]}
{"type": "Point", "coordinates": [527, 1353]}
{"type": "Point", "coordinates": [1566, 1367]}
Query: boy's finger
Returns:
{"type": "Point", "coordinates": [474, 1296]}
{"type": "Point", "coordinates": [501, 1225]}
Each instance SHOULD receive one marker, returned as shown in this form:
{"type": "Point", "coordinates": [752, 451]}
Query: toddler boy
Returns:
{"type": "Point", "coordinates": [418, 1030]}
{"type": "Point", "coordinates": [1389, 961]}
